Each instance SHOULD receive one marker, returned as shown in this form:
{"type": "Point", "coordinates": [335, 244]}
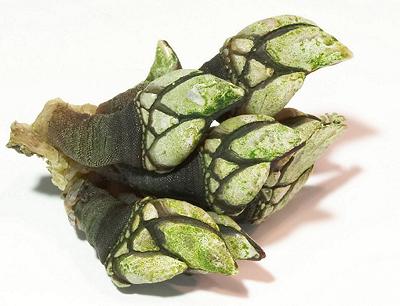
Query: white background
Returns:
{"type": "Point", "coordinates": [338, 241]}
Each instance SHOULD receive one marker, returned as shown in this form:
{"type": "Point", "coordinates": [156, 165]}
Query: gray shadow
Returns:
{"type": "Point", "coordinates": [226, 285]}
{"type": "Point", "coordinates": [302, 209]}
{"type": "Point", "coordinates": [234, 285]}
{"type": "Point", "coordinates": [80, 234]}
{"type": "Point", "coordinates": [165, 289]}
{"type": "Point", "coordinates": [45, 186]}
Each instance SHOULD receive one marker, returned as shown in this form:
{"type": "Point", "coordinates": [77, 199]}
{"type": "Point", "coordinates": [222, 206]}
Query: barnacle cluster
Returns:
{"type": "Point", "coordinates": [156, 190]}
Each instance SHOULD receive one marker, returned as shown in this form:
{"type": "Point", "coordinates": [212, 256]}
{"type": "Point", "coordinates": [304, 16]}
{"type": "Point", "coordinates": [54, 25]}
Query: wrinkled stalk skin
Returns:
{"type": "Point", "coordinates": [99, 215]}
{"type": "Point", "coordinates": [152, 240]}
{"type": "Point", "coordinates": [271, 58]}
{"type": "Point", "coordinates": [183, 183]}
{"type": "Point", "coordinates": [95, 140]}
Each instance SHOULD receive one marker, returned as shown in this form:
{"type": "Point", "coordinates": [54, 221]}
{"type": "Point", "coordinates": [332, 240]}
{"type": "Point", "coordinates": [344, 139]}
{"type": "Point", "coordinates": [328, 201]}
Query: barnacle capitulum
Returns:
{"type": "Point", "coordinates": [238, 156]}
{"type": "Point", "coordinates": [271, 58]}
{"type": "Point", "coordinates": [152, 240]}
{"type": "Point", "coordinates": [289, 174]}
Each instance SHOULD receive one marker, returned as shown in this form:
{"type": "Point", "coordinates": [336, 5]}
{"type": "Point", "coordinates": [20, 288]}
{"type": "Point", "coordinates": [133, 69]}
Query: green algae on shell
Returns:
{"type": "Point", "coordinates": [271, 58]}
{"type": "Point", "coordinates": [165, 61]}
{"type": "Point", "coordinates": [238, 164]}
{"type": "Point", "coordinates": [239, 243]}
{"type": "Point", "coordinates": [290, 174]}
{"type": "Point", "coordinates": [180, 236]}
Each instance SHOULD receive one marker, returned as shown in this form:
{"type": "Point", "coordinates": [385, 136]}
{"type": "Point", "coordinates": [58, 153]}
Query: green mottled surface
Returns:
{"type": "Point", "coordinates": [184, 138]}
{"type": "Point", "coordinates": [268, 142]}
{"type": "Point", "coordinates": [163, 81]}
{"type": "Point", "coordinates": [149, 212]}
{"type": "Point", "coordinates": [248, 167]}
{"type": "Point", "coordinates": [173, 236]}
{"type": "Point", "coordinates": [222, 167]}
{"type": "Point", "coordinates": [239, 246]}
{"type": "Point", "coordinates": [308, 48]}
{"type": "Point", "coordinates": [199, 247]}
{"type": "Point", "coordinates": [234, 123]}
{"type": "Point", "coordinates": [151, 267]}
{"type": "Point", "coordinates": [162, 121]}
{"type": "Point", "coordinates": [244, 185]}
{"type": "Point", "coordinates": [323, 134]}
{"type": "Point", "coordinates": [204, 94]}
{"type": "Point", "coordinates": [165, 61]}
{"type": "Point", "coordinates": [224, 220]}
{"type": "Point", "coordinates": [143, 242]}
{"type": "Point", "coordinates": [257, 73]}
{"type": "Point", "coordinates": [291, 172]}
{"type": "Point", "coordinates": [270, 99]}
{"type": "Point", "coordinates": [171, 207]}
{"type": "Point", "coordinates": [265, 26]}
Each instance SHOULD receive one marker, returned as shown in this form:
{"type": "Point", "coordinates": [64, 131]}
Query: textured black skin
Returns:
{"type": "Point", "coordinates": [183, 183]}
{"type": "Point", "coordinates": [101, 139]}
{"type": "Point", "coordinates": [101, 217]}
{"type": "Point", "coordinates": [216, 66]}
{"type": "Point", "coordinates": [120, 101]}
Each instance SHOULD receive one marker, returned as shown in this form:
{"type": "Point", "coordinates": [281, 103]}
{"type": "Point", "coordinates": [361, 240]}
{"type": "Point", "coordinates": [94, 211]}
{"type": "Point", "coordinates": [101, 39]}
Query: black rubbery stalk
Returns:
{"type": "Point", "coordinates": [216, 66]}
{"type": "Point", "coordinates": [97, 140]}
{"type": "Point", "coordinates": [184, 183]}
{"type": "Point", "coordinates": [101, 217]}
